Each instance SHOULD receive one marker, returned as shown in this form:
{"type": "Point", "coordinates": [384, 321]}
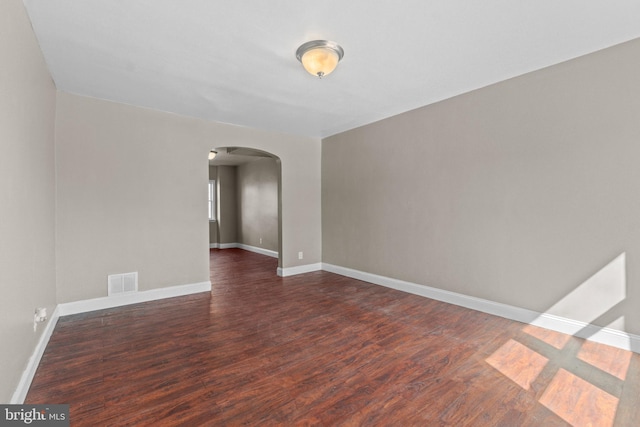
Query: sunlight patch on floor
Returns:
{"type": "Point", "coordinates": [579, 402]}
{"type": "Point", "coordinates": [613, 361]}
{"type": "Point", "coordinates": [553, 338]}
{"type": "Point", "coordinates": [574, 398]}
{"type": "Point", "coordinates": [518, 363]}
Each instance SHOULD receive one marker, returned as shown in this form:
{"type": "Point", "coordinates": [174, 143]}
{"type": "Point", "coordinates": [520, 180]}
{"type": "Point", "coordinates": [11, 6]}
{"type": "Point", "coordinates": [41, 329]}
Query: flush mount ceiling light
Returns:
{"type": "Point", "coordinates": [319, 57]}
{"type": "Point", "coordinates": [212, 154]}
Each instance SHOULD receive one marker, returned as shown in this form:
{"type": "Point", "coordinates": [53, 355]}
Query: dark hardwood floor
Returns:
{"type": "Point", "coordinates": [322, 349]}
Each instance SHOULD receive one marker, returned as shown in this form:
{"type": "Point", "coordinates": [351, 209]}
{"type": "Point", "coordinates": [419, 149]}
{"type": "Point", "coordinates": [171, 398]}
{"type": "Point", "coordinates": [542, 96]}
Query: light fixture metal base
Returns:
{"type": "Point", "coordinates": [314, 44]}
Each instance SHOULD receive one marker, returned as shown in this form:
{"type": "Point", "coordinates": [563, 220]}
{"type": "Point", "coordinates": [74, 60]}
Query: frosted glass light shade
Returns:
{"type": "Point", "coordinates": [319, 57]}
{"type": "Point", "coordinates": [320, 61]}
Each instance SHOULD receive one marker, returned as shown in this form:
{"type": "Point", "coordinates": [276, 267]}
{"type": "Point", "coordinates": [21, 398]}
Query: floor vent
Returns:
{"type": "Point", "coordinates": [122, 283]}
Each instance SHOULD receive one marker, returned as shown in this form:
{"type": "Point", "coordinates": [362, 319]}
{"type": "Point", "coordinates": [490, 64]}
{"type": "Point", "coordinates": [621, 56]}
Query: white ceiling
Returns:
{"type": "Point", "coordinates": [234, 61]}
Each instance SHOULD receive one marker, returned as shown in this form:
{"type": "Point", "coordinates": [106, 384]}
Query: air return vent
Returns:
{"type": "Point", "coordinates": [122, 283]}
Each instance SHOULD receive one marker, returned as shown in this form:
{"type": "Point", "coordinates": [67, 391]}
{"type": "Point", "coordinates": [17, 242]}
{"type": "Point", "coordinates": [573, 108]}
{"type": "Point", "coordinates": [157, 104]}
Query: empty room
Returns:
{"type": "Point", "coordinates": [320, 213]}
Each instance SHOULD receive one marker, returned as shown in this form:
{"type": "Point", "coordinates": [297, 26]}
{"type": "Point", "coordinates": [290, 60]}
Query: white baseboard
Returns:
{"type": "Point", "coordinates": [84, 306]}
{"type": "Point", "coordinates": [227, 245]}
{"type": "Point", "coordinates": [32, 365]}
{"type": "Point", "coordinates": [300, 269]}
{"type": "Point", "coordinates": [249, 248]}
{"type": "Point", "coordinates": [588, 331]}
{"type": "Point", "coordinates": [608, 336]}
{"type": "Point", "coordinates": [213, 246]}
{"type": "Point", "coordinates": [257, 250]}
{"type": "Point", "coordinates": [77, 307]}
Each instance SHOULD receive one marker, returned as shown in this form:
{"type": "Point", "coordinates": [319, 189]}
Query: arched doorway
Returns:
{"type": "Point", "coordinates": [247, 199]}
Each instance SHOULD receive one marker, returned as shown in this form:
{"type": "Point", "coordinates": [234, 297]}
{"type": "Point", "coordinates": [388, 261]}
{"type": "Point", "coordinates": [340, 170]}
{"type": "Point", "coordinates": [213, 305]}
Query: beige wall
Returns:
{"type": "Point", "coordinates": [213, 225]}
{"type": "Point", "coordinates": [213, 232]}
{"type": "Point", "coordinates": [257, 184]}
{"type": "Point", "coordinates": [227, 205]}
{"type": "Point", "coordinates": [131, 194]}
{"type": "Point", "coordinates": [130, 197]}
{"type": "Point", "coordinates": [525, 192]}
{"type": "Point", "coordinates": [27, 245]}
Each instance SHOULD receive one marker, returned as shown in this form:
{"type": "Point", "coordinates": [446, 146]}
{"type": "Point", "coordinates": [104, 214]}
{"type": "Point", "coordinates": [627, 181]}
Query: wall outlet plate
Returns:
{"type": "Point", "coordinates": [40, 315]}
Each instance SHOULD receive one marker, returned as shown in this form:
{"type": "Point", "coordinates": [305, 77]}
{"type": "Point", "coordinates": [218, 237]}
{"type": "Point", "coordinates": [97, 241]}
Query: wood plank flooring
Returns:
{"type": "Point", "coordinates": [324, 350]}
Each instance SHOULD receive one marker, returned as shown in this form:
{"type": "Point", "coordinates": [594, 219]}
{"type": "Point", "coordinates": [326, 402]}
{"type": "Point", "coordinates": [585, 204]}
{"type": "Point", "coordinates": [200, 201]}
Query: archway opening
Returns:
{"type": "Point", "coordinates": [245, 184]}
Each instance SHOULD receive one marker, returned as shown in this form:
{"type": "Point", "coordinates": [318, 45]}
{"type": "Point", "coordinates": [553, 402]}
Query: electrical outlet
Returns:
{"type": "Point", "coordinates": [39, 316]}
{"type": "Point", "coordinates": [261, 240]}
{"type": "Point", "coordinates": [300, 255]}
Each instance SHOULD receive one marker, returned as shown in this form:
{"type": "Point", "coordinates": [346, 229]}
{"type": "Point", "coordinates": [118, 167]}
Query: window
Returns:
{"type": "Point", "coordinates": [212, 200]}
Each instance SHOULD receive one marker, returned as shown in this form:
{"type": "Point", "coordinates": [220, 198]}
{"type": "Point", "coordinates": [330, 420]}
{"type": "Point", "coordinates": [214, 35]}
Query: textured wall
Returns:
{"type": "Point", "coordinates": [228, 201]}
{"type": "Point", "coordinates": [131, 194]}
{"type": "Point", "coordinates": [27, 174]}
{"type": "Point", "coordinates": [257, 184]}
{"type": "Point", "coordinates": [213, 225]}
{"type": "Point", "coordinates": [525, 192]}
